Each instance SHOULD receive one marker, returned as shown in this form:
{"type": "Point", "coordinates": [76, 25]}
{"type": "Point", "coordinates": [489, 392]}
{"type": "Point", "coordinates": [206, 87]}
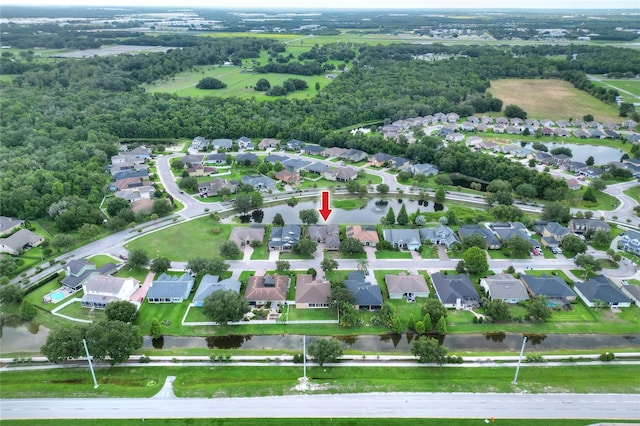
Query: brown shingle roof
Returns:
{"type": "Point", "coordinates": [309, 290]}
{"type": "Point", "coordinates": [256, 290]}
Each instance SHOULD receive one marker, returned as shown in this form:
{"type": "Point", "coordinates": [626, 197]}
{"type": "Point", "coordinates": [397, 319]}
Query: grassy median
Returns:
{"type": "Point", "coordinates": [226, 380]}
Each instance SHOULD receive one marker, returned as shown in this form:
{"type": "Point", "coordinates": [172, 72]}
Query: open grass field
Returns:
{"type": "Point", "coordinates": [191, 239]}
{"type": "Point", "coordinates": [239, 381]}
{"type": "Point", "coordinates": [628, 89]}
{"type": "Point", "coordinates": [294, 422]}
{"type": "Point", "coordinates": [239, 83]}
{"type": "Point", "coordinates": [554, 99]}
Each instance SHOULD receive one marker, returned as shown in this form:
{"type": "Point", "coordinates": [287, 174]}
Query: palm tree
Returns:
{"type": "Point", "coordinates": [363, 266]}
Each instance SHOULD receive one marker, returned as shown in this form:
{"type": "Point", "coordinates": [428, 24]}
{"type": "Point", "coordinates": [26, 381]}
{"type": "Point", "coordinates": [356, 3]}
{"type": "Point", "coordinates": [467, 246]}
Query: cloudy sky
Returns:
{"type": "Point", "coordinates": [351, 4]}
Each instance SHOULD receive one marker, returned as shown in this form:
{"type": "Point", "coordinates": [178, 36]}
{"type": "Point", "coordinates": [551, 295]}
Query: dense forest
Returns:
{"type": "Point", "coordinates": [62, 118]}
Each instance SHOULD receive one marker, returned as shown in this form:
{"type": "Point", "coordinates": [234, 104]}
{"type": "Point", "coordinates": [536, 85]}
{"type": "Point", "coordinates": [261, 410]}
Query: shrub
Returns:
{"type": "Point", "coordinates": [145, 359]}
{"type": "Point", "coordinates": [607, 356]}
{"type": "Point", "coordinates": [535, 358]}
{"type": "Point", "coordinates": [298, 358]}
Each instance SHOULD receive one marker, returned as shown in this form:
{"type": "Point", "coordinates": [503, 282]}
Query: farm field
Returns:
{"type": "Point", "coordinates": [623, 86]}
{"type": "Point", "coordinates": [552, 99]}
{"type": "Point", "coordinates": [239, 83]}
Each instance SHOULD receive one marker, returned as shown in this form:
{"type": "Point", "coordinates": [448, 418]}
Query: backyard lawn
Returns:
{"type": "Point", "coordinates": [311, 314]}
{"type": "Point", "coordinates": [75, 310]}
{"type": "Point", "coordinates": [191, 239]}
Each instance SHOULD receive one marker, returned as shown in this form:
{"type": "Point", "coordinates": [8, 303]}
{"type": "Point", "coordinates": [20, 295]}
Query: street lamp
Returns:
{"type": "Point", "coordinates": [93, 374]}
{"type": "Point", "coordinates": [515, 378]}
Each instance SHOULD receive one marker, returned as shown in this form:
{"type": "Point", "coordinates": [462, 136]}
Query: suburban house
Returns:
{"type": "Point", "coordinates": [591, 172]}
{"type": "Point", "coordinates": [312, 149]}
{"type": "Point", "coordinates": [222, 144]}
{"type": "Point", "coordinates": [341, 174]}
{"type": "Point", "coordinates": [247, 158]}
{"type": "Point", "coordinates": [354, 155]}
{"type": "Point", "coordinates": [601, 288]}
{"type": "Point", "coordinates": [191, 159]}
{"type": "Point", "coordinates": [380, 159]}
{"type": "Point", "coordinates": [424, 169]}
{"type": "Point", "coordinates": [544, 157]}
{"type": "Point", "coordinates": [317, 168]}
{"type": "Point", "coordinates": [268, 143]}
{"type": "Point", "coordinates": [290, 178]}
{"type": "Point", "coordinates": [199, 143]}
{"type": "Point", "coordinates": [455, 290]}
{"type": "Point", "coordinates": [283, 238]}
{"type": "Point", "coordinates": [587, 226]}
{"type": "Point", "coordinates": [630, 242]}
{"type": "Point", "coordinates": [244, 143]}
{"type": "Point", "coordinates": [333, 152]}
{"type": "Point", "coordinates": [493, 243]}
{"type": "Point", "coordinates": [552, 233]}
{"type": "Point", "coordinates": [199, 170]}
{"type": "Point", "coordinates": [507, 230]}
{"type": "Point", "coordinates": [633, 291]}
{"type": "Point", "coordinates": [216, 158]}
{"type": "Point", "coordinates": [553, 288]}
{"type": "Point", "coordinates": [259, 182]}
{"type": "Point", "coordinates": [408, 239]}
{"type": "Point", "coordinates": [267, 289]}
{"type": "Point", "coordinates": [312, 293]}
{"type": "Point", "coordinates": [211, 283]}
{"type": "Point", "coordinates": [275, 158]}
{"type": "Point", "coordinates": [9, 225]}
{"type": "Point", "coordinates": [295, 164]}
{"type": "Point", "coordinates": [440, 235]}
{"type": "Point", "coordinates": [100, 290]}
{"type": "Point", "coordinates": [575, 166]}
{"type": "Point", "coordinates": [170, 288]}
{"type": "Point", "coordinates": [141, 152]}
{"type": "Point", "coordinates": [403, 286]}
{"type": "Point", "coordinates": [329, 235]}
{"type": "Point", "coordinates": [399, 162]}
{"type": "Point", "coordinates": [20, 241]}
{"type": "Point", "coordinates": [79, 271]}
{"type": "Point", "coordinates": [243, 235]}
{"type": "Point", "coordinates": [573, 184]}
{"type": "Point", "coordinates": [367, 295]}
{"type": "Point", "coordinates": [211, 188]}
{"type": "Point", "coordinates": [366, 234]}
{"type": "Point", "coordinates": [505, 288]}
{"type": "Point", "coordinates": [294, 145]}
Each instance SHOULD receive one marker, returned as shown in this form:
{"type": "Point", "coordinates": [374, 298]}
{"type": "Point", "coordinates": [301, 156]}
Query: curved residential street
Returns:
{"type": "Point", "coordinates": [371, 405]}
{"type": "Point", "coordinates": [193, 208]}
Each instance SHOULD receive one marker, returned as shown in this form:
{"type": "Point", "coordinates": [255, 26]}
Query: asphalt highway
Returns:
{"type": "Point", "coordinates": [372, 405]}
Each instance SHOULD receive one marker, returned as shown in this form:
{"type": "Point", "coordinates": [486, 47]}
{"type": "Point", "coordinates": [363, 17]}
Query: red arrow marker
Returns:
{"type": "Point", "coordinates": [325, 211]}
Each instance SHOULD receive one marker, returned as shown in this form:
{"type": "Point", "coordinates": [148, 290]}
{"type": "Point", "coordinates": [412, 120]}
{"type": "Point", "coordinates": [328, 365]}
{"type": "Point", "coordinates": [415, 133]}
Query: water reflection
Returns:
{"type": "Point", "coordinates": [480, 342]}
{"type": "Point", "coordinates": [497, 337]}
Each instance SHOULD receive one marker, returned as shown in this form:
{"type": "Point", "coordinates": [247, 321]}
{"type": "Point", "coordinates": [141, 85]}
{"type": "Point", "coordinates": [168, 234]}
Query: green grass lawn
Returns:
{"type": "Point", "coordinates": [605, 201]}
{"type": "Point", "coordinates": [171, 312]}
{"type": "Point", "coordinates": [138, 274]}
{"type": "Point", "coordinates": [198, 382]}
{"type": "Point", "coordinates": [260, 253]}
{"type": "Point", "coordinates": [194, 238]}
{"type": "Point", "coordinates": [349, 204]}
{"type": "Point", "coordinates": [311, 314]}
{"type": "Point", "coordinates": [500, 254]}
{"type": "Point", "coordinates": [293, 422]}
{"type": "Point", "coordinates": [35, 297]}
{"type": "Point", "coordinates": [634, 193]}
{"type": "Point", "coordinates": [101, 260]}
{"type": "Point", "coordinates": [429, 252]}
{"type": "Point", "coordinates": [75, 310]}
{"type": "Point", "coordinates": [392, 254]}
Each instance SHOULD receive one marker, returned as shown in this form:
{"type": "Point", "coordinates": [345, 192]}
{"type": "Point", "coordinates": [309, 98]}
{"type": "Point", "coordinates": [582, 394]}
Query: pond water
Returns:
{"type": "Point", "coordinates": [20, 336]}
{"type": "Point", "coordinates": [370, 213]}
{"type": "Point", "coordinates": [601, 154]}
{"type": "Point", "coordinates": [485, 342]}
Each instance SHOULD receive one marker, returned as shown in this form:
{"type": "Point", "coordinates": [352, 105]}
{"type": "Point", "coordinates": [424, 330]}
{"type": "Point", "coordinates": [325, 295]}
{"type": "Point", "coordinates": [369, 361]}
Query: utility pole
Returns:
{"type": "Point", "coordinates": [93, 374]}
{"type": "Point", "coordinates": [515, 378]}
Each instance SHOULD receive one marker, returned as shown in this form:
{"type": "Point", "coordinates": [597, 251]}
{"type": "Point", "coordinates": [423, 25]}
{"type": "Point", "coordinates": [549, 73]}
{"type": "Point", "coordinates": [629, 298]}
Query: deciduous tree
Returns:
{"type": "Point", "coordinates": [428, 350]}
{"type": "Point", "coordinates": [121, 310]}
{"type": "Point", "coordinates": [325, 350]}
{"type": "Point", "coordinates": [160, 264]}
{"type": "Point", "coordinates": [225, 306]}
{"type": "Point", "coordinates": [435, 309]}
{"type": "Point", "coordinates": [475, 260]}
{"type": "Point", "coordinates": [112, 340]}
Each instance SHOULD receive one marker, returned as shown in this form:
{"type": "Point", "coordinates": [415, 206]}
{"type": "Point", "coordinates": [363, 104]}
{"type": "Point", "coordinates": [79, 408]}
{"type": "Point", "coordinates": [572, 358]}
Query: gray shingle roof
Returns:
{"type": "Point", "coordinates": [601, 288]}
{"type": "Point", "coordinates": [551, 287]}
{"type": "Point", "coordinates": [454, 286]}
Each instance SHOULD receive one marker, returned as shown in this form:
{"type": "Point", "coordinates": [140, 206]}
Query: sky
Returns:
{"type": "Point", "coordinates": [342, 4]}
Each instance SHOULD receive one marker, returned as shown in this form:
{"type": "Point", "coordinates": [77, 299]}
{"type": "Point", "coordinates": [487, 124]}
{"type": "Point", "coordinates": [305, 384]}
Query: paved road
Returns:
{"type": "Point", "coordinates": [193, 207]}
{"type": "Point", "coordinates": [372, 405]}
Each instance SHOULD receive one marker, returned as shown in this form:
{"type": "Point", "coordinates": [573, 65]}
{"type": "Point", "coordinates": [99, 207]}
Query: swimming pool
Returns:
{"type": "Point", "coordinates": [57, 296]}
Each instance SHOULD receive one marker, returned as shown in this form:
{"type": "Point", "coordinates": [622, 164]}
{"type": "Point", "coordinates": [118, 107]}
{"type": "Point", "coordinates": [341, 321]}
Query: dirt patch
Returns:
{"type": "Point", "coordinates": [553, 99]}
